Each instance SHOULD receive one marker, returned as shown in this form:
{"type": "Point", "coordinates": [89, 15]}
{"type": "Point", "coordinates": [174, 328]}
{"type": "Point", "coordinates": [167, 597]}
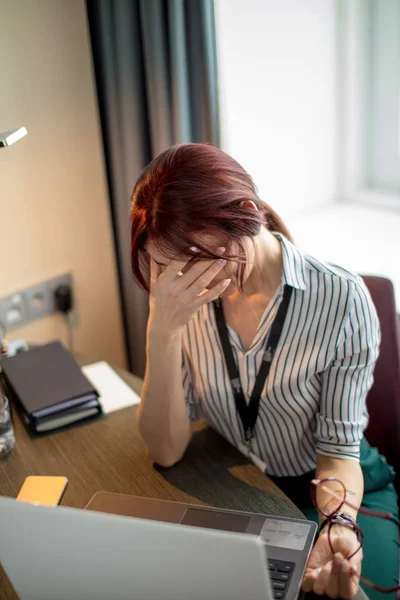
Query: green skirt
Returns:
{"type": "Point", "coordinates": [381, 538]}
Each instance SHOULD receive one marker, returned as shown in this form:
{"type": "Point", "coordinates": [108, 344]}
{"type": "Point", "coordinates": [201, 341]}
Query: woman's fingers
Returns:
{"type": "Point", "coordinates": [197, 277]}
{"type": "Point", "coordinates": [309, 580]}
{"type": "Point", "coordinates": [204, 270]}
{"type": "Point", "coordinates": [333, 584]}
{"type": "Point", "coordinates": [321, 583]}
{"type": "Point", "coordinates": [212, 294]}
{"type": "Point", "coordinates": [203, 281]}
{"type": "Point", "coordinates": [348, 586]}
{"type": "Point", "coordinates": [170, 275]}
{"type": "Point", "coordinates": [333, 580]}
{"type": "Point", "coordinates": [355, 568]}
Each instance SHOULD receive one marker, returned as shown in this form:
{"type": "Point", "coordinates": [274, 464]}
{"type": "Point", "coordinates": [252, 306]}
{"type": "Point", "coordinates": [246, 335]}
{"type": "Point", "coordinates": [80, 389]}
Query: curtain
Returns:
{"type": "Point", "coordinates": [156, 76]}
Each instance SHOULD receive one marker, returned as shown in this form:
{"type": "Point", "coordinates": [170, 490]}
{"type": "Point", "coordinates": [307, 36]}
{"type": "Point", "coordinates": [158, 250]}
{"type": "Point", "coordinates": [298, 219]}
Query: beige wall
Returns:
{"type": "Point", "coordinates": [54, 213]}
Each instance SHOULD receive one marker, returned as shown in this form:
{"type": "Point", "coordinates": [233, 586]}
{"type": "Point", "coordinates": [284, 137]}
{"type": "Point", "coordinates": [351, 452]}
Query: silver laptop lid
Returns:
{"type": "Point", "coordinates": [64, 553]}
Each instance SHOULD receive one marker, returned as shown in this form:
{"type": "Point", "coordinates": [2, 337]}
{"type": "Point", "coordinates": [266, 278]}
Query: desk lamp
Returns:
{"type": "Point", "coordinates": [7, 138]}
{"type": "Point", "coordinates": [10, 137]}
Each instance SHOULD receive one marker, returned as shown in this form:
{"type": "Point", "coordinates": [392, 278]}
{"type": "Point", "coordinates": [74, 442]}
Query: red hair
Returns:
{"type": "Point", "coordinates": [191, 189]}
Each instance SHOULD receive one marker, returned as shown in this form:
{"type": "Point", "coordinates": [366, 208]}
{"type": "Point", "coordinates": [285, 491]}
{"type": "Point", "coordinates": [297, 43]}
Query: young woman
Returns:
{"type": "Point", "coordinates": [275, 349]}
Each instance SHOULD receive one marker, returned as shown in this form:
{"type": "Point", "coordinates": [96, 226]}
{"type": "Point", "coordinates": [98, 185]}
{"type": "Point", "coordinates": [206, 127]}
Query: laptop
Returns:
{"type": "Point", "coordinates": [154, 550]}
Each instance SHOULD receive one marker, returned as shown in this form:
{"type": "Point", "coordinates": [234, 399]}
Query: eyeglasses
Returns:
{"type": "Point", "coordinates": [329, 495]}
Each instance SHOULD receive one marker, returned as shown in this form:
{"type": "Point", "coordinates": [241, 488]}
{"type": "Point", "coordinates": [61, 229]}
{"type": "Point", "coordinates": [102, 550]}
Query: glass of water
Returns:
{"type": "Point", "coordinates": [7, 439]}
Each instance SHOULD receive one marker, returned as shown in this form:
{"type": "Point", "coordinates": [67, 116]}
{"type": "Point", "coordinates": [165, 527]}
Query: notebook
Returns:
{"type": "Point", "coordinates": [49, 387]}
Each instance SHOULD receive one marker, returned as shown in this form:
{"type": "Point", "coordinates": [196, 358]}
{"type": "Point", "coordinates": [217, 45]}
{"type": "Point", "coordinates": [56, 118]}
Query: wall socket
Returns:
{"type": "Point", "coordinates": [34, 302]}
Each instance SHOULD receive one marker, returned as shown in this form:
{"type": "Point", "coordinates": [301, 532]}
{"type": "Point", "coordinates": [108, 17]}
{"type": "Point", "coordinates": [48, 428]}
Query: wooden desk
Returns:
{"type": "Point", "coordinates": [109, 454]}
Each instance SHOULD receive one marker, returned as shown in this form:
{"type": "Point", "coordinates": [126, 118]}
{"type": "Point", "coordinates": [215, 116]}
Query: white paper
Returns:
{"type": "Point", "coordinates": [114, 392]}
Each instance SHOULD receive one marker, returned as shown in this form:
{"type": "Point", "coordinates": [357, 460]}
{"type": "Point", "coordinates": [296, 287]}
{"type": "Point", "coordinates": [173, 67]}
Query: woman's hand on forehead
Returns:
{"type": "Point", "coordinates": [177, 292]}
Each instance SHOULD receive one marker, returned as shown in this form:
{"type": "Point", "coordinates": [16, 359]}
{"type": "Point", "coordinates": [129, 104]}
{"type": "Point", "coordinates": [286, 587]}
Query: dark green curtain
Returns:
{"type": "Point", "coordinates": [156, 76]}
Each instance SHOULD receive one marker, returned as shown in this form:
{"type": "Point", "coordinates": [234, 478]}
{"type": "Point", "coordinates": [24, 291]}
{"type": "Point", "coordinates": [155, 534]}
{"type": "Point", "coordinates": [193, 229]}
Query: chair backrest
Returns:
{"type": "Point", "coordinates": [383, 400]}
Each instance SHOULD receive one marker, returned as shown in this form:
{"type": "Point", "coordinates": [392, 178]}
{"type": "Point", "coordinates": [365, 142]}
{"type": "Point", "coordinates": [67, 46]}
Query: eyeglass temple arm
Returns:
{"type": "Point", "coordinates": [363, 511]}
{"type": "Point", "coordinates": [379, 588]}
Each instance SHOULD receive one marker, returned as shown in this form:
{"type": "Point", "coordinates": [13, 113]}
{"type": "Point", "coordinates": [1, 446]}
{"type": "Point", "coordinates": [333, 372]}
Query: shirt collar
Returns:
{"type": "Point", "coordinates": [293, 264]}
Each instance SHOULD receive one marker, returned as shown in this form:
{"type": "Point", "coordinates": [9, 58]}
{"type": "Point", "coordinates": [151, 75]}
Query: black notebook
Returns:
{"type": "Point", "coordinates": [50, 387]}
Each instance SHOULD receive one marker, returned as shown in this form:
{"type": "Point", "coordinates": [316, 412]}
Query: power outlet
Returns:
{"type": "Point", "coordinates": [34, 302]}
{"type": "Point", "coordinates": [38, 302]}
{"type": "Point", "coordinates": [13, 311]}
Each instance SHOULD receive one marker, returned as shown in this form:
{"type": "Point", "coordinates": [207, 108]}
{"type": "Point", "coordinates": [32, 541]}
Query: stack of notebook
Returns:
{"type": "Point", "coordinates": [49, 387]}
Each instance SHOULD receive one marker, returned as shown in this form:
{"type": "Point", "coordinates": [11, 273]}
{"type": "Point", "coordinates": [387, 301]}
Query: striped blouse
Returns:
{"type": "Point", "coordinates": [314, 398]}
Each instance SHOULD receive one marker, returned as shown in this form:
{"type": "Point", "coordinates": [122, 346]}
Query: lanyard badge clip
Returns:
{"type": "Point", "coordinates": [248, 437]}
{"type": "Point", "coordinates": [249, 448]}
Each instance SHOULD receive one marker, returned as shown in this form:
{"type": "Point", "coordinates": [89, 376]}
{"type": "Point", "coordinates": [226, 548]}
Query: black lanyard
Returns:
{"type": "Point", "coordinates": [249, 412]}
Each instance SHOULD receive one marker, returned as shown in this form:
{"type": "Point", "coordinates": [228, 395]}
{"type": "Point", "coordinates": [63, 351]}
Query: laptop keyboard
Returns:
{"type": "Point", "coordinates": [280, 573]}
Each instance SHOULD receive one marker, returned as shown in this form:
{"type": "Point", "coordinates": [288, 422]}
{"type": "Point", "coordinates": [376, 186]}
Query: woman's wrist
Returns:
{"type": "Point", "coordinates": [343, 524]}
{"type": "Point", "coordinates": [338, 531]}
{"type": "Point", "coordinates": [162, 331]}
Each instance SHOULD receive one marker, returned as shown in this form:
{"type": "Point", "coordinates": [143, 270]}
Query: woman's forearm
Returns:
{"type": "Point", "coordinates": [162, 415]}
{"type": "Point", "coordinates": [349, 473]}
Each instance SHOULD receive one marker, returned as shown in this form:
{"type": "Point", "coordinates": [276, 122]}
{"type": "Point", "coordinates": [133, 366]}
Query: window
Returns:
{"type": "Point", "coordinates": [369, 100]}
